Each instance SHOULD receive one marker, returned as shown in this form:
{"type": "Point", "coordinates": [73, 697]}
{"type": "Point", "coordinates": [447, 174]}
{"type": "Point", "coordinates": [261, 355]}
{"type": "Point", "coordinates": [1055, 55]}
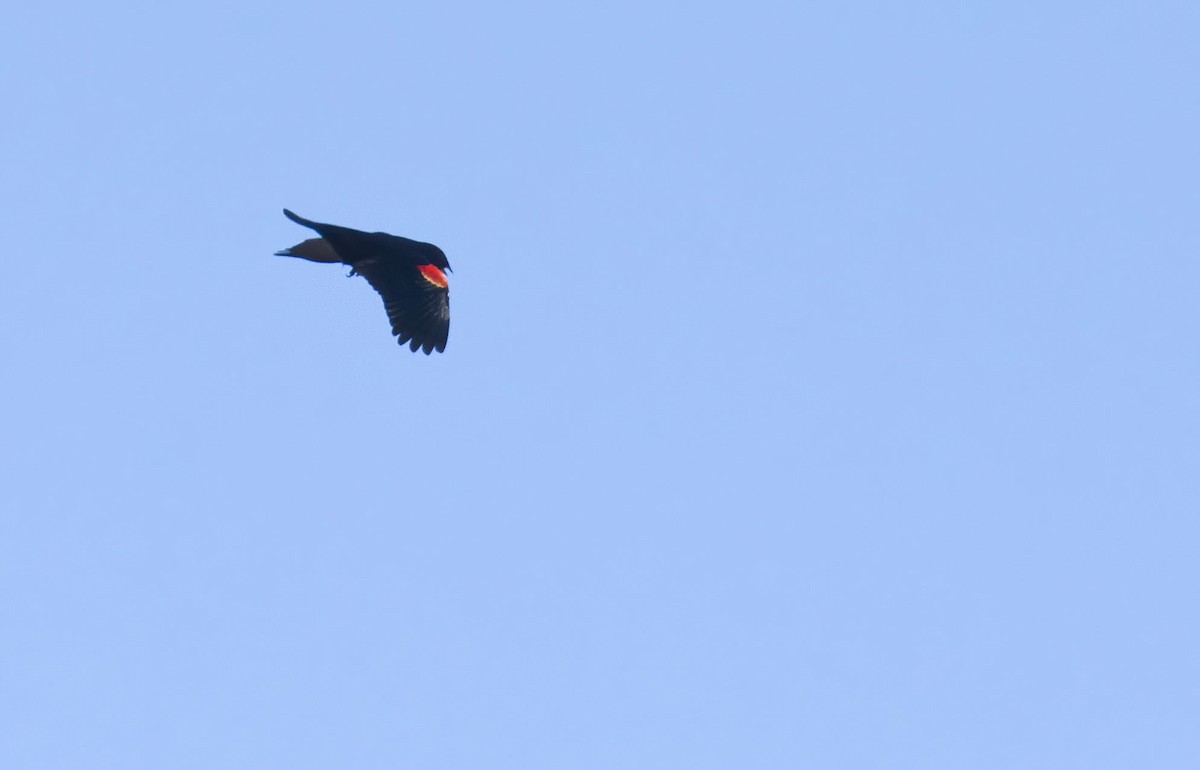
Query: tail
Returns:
{"type": "Point", "coordinates": [314, 249]}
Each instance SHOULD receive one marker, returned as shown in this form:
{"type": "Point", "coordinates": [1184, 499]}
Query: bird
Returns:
{"type": "Point", "coordinates": [409, 275]}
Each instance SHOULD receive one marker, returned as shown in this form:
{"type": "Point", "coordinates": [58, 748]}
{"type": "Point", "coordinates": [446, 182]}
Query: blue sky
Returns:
{"type": "Point", "coordinates": [822, 387]}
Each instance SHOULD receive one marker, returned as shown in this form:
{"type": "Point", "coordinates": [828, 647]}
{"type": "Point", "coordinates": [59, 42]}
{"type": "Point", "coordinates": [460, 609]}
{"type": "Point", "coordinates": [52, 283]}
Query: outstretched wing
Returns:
{"type": "Point", "coordinates": [417, 300]}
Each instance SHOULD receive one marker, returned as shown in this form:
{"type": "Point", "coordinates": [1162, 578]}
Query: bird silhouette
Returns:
{"type": "Point", "coordinates": [408, 275]}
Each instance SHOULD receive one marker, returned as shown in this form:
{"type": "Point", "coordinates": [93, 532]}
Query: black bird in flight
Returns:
{"type": "Point", "coordinates": [406, 273]}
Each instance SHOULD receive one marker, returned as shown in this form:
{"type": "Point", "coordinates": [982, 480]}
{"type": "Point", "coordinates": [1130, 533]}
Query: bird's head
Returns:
{"type": "Point", "coordinates": [442, 261]}
{"type": "Point", "coordinates": [437, 257]}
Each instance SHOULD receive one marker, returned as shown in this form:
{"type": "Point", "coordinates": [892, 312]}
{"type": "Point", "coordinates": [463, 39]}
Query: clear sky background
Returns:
{"type": "Point", "coordinates": [822, 387]}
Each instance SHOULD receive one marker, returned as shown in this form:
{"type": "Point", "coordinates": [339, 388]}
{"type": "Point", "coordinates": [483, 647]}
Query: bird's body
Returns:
{"type": "Point", "coordinates": [408, 275]}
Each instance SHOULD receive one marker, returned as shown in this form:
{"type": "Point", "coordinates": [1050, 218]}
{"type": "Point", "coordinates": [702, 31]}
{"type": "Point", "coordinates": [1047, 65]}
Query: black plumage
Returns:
{"type": "Point", "coordinates": [408, 275]}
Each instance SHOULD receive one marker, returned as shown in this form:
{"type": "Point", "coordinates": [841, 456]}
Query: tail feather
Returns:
{"type": "Point", "coordinates": [314, 250]}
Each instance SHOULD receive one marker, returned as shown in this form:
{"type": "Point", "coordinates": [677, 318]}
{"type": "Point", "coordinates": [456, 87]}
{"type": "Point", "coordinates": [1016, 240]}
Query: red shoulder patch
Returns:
{"type": "Point", "coordinates": [432, 274]}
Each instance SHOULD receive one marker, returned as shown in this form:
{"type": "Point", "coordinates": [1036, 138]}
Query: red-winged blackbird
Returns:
{"type": "Point", "coordinates": [406, 273]}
